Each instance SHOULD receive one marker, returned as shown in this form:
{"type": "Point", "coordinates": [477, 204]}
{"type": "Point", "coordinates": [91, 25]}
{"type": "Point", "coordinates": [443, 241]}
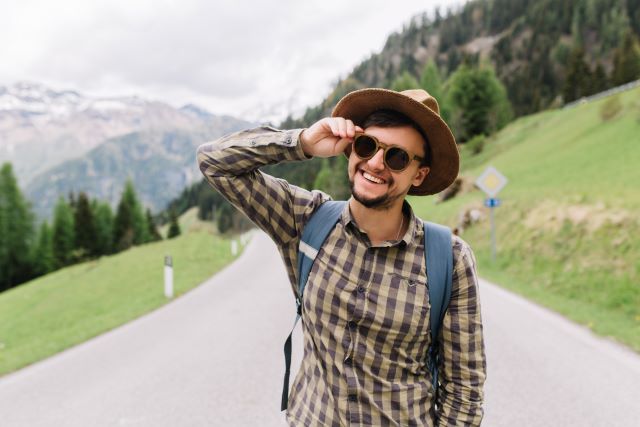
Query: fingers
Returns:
{"type": "Point", "coordinates": [351, 129]}
{"type": "Point", "coordinates": [342, 145]}
{"type": "Point", "coordinates": [329, 136]}
{"type": "Point", "coordinates": [343, 128]}
{"type": "Point", "coordinates": [333, 125]}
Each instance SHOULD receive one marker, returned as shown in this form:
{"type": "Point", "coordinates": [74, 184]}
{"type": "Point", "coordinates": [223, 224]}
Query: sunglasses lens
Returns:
{"type": "Point", "coordinates": [365, 146]}
{"type": "Point", "coordinates": [397, 159]}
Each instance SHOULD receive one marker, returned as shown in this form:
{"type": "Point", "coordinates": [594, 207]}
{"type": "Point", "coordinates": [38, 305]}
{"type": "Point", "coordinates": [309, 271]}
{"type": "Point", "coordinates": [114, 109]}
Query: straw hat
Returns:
{"type": "Point", "coordinates": [422, 109]}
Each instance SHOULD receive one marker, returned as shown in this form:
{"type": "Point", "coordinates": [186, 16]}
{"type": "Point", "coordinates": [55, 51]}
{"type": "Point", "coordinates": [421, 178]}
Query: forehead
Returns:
{"type": "Point", "coordinates": [404, 136]}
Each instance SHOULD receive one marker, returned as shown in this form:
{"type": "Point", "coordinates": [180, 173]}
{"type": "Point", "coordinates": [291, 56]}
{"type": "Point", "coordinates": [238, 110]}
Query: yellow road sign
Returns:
{"type": "Point", "coordinates": [491, 181]}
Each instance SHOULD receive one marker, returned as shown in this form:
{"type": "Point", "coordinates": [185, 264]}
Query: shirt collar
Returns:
{"type": "Point", "coordinates": [414, 231]}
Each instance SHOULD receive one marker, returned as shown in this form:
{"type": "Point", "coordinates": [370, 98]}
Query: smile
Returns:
{"type": "Point", "coordinates": [372, 178]}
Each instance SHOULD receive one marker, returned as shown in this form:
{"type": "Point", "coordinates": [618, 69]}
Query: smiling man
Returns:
{"type": "Point", "coordinates": [366, 307]}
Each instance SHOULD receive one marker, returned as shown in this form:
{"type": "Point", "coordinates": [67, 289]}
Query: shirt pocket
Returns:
{"type": "Point", "coordinates": [401, 309]}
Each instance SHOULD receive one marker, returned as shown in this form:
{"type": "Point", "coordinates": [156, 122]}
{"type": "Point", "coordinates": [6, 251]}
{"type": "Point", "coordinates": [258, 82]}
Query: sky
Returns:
{"type": "Point", "coordinates": [256, 60]}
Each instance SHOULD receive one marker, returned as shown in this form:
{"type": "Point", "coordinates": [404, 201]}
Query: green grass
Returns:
{"type": "Point", "coordinates": [570, 220]}
{"type": "Point", "coordinates": [69, 306]}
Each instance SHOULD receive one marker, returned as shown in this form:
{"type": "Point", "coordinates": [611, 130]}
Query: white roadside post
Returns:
{"type": "Point", "coordinates": [168, 276]}
{"type": "Point", "coordinates": [491, 182]}
{"type": "Point", "coordinates": [234, 247]}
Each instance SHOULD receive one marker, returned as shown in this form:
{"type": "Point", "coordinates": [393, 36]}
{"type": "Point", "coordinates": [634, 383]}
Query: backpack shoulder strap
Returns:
{"type": "Point", "coordinates": [315, 232]}
{"type": "Point", "coordinates": [439, 262]}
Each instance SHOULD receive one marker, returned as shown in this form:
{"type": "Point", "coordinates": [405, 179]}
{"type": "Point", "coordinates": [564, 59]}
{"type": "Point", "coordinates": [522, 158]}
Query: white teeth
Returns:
{"type": "Point", "coordinates": [372, 178]}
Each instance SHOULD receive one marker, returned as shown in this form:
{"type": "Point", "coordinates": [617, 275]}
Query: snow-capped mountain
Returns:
{"type": "Point", "coordinates": [41, 127]}
{"type": "Point", "coordinates": [47, 134]}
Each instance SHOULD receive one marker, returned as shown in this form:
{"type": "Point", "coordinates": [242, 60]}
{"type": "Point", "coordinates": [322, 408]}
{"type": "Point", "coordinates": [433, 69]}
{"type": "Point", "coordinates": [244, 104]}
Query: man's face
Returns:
{"type": "Point", "coordinates": [376, 186]}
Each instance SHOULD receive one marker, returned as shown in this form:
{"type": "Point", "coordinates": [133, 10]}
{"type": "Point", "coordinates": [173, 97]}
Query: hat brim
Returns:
{"type": "Point", "coordinates": [445, 159]}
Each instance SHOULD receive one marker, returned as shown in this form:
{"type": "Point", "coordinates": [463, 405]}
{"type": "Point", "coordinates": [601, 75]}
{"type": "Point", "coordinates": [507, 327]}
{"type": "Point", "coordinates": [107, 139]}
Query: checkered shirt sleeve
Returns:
{"type": "Point", "coordinates": [230, 164]}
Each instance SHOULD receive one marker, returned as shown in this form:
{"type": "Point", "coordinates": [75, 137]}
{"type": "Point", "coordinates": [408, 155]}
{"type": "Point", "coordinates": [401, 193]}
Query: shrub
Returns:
{"type": "Point", "coordinates": [476, 144]}
{"type": "Point", "coordinates": [610, 108]}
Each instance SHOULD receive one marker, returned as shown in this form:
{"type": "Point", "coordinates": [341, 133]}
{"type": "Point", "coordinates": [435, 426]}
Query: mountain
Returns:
{"type": "Point", "coordinates": [41, 128]}
{"type": "Point", "coordinates": [160, 163]}
{"type": "Point", "coordinates": [530, 44]}
{"type": "Point", "coordinates": [63, 141]}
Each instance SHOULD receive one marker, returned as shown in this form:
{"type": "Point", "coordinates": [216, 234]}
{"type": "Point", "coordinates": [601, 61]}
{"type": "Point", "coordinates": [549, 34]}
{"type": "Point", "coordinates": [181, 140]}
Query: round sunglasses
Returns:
{"type": "Point", "coordinates": [395, 158]}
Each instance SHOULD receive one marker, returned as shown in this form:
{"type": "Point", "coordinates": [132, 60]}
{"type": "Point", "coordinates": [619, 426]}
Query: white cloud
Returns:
{"type": "Point", "coordinates": [257, 59]}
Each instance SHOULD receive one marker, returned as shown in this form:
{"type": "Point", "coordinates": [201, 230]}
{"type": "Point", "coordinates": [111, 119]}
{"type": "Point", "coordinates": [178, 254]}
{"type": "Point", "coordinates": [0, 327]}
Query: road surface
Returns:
{"type": "Point", "coordinates": [214, 358]}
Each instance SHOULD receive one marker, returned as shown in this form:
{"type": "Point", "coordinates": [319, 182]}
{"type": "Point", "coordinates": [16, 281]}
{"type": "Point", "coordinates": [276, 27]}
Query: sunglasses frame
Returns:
{"type": "Point", "coordinates": [385, 148]}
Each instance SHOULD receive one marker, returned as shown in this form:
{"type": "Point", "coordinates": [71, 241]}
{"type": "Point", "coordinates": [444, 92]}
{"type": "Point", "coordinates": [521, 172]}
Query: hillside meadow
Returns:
{"type": "Point", "coordinates": [67, 307]}
{"type": "Point", "coordinates": [568, 227]}
{"type": "Point", "coordinates": [567, 238]}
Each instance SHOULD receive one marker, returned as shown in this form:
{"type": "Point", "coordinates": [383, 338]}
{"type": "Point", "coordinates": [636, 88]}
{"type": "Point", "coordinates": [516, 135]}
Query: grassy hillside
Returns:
{"type": "Point", "coordinates": [570, 220]}
{"type": "Point", "coordinates": [69, 306]}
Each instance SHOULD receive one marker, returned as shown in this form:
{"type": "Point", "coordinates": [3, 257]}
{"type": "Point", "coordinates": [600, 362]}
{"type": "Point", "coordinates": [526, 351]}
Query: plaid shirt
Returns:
{"type": "Point", "coordinates": [365, 309]}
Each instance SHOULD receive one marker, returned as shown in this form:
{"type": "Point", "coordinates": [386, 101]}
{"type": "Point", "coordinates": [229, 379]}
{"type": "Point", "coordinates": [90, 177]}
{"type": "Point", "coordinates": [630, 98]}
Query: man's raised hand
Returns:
{"type": "Point", "coordinates": [328, 137]}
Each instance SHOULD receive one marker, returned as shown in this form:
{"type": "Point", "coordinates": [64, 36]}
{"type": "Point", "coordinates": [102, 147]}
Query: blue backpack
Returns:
{"type": "Point", "coordinates": [437, 240]}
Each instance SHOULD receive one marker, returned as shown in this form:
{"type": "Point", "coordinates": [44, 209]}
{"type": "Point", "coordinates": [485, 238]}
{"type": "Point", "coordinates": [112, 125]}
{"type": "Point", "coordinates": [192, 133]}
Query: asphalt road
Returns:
{"type": "Point", "coordinates": [214, 358]}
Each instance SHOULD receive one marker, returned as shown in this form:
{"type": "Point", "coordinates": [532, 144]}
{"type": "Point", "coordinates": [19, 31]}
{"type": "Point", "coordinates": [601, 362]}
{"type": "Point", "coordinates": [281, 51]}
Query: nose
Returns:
{"type": "Point", "coordinates": [377, 161]}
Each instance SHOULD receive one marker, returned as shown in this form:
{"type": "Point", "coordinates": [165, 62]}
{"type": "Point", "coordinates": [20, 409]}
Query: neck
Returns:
{"type": "Point", "coordinates": [379, 224]}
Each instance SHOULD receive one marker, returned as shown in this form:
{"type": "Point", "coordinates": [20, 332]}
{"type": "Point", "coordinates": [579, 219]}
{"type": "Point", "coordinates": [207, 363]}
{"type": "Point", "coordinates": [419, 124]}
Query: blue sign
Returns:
{"type": "Point", "coordinates": [492, 203]}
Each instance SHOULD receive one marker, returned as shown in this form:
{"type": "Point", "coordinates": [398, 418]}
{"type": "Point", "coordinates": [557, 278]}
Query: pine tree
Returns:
{"type": "Point", "coordinates": [63, 234]}
{"type": "Point", "coordinates": [626, 60]}
{"type": "Point", "coordinates": [405, 81]}
{"type": "Point", "coordinates": [16, 231]}
{"type": "Point", "coordinates": [154, 234]}
{"type": "Point", "coordinates": [44, 260]}
{"type": "Point", "coordinates": [85, 229]}
{"type": "Point", "coordinates": [123, 226]}
{"type": "Point", "coordinates": [174, 227]}
{"type": "Point", "coordinates": [104, 228]}
{"type": "Point", "coordinates": [431, 81]}
{"type": "Point", "coordinates": [72, 200]}
{"type": "Point", "coordinates": [598, 80]}
{"type": "Point", "coordinates": [224, 218]}
{"type": "Point", "coordinates": [577, 82]}
{"type": "Point", "coordinates": [130, 226]}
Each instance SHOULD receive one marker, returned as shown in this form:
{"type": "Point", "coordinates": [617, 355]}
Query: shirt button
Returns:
{"type": "Point", "coordinates": [348, 361]}
{"type": "Point", "coordinates": [351, 324]}
{"type": "Point", "coordinates": [353, 398]}
{"type": "Point", "coordinates": [361, 289]}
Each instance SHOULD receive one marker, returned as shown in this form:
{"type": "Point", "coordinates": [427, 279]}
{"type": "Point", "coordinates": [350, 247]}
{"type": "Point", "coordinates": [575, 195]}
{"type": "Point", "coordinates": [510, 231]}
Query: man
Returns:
{"type": "Point", "coordinates": [365, 308]}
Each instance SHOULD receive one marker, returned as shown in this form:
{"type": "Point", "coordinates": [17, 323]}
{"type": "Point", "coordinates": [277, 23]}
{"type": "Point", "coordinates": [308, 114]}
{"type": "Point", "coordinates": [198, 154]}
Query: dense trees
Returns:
{"type": "Point", "coordinates": [82, 229]}
{"type": "Point", "coordinates": [578, 80]}
{"type": "Point", "coordinates": [485, 62]}
{"type": "Point", "coordinates": [626, 60]}
{"type": "Point", "coordinates": [16, 231]}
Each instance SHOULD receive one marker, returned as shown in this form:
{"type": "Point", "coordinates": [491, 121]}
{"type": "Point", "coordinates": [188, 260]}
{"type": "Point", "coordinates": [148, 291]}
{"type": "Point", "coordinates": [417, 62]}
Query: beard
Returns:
{"type": "Point", "coordinates": [383, 202]}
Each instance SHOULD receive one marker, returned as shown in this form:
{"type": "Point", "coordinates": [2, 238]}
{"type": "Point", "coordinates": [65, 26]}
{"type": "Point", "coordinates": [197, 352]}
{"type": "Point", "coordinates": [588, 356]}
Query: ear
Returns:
{"type": "Point", "coordinates": [420, 175]}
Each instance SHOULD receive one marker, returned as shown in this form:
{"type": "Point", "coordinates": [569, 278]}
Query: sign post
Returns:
{"type": "Point", "coordinates": [491, 182]}
{"type": "Point", "coordinates": [168, 276]}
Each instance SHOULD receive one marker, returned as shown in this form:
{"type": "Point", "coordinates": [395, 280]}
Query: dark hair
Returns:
{"type": "Point", "coordinates": [392, 118]}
